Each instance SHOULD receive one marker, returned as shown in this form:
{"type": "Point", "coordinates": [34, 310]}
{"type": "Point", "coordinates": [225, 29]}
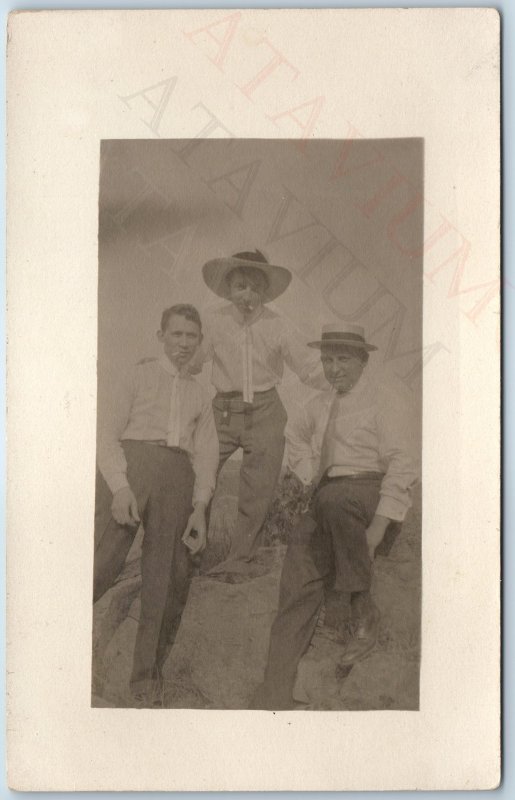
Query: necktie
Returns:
{"type": "Point", "coordinates": [174, 420]}
{"type": "Point", "coordinates": [329, 434]}
{"type": "Point", "coordinates": [248, 389]}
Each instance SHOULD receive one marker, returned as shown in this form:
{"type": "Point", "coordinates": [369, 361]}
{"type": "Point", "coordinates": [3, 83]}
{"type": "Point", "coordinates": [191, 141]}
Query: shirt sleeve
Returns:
{"type": "Point", "coordinates": [299, 435]}
{"type": "Point", "coordinates": [303, 360]}
{"type": "Point", "coordinates": [394, 428]}
{"type": "Point", "coordinates": [110, 456]}
{"type": "Point", "coordinates": [205, 454]}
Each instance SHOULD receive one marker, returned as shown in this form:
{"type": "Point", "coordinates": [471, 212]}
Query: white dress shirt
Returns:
{"type": "Point", "coordinates": [249, 354]}
{"type": "Point", "coordinates": [159, 402]}
{"type": "Point", "coordinates": [370, 430]}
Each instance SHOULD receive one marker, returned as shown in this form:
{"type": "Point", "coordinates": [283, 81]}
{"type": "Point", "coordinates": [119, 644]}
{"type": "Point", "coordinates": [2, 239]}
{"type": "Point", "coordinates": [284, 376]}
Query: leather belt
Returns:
{"type": "Point", "coordinates": [229, 403]}
{"type": "Point", "coordinates": [356, 476]}
{"type": "Point", "coordinates": [159, 443]}
{"type": "Point", "coordinates": [239, 395]}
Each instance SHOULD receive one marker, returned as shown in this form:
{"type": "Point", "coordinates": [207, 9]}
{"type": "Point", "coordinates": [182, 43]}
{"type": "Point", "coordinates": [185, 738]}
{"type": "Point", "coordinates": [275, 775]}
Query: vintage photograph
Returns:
{"type": "Point", "coordinates": [253, 400]}
{"type": "Point", "coordinates": [257, 535]}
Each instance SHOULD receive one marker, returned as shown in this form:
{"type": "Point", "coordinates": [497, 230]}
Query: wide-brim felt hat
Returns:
{"type": "Point", "coordinates": [217, 270]}
{"type": "Point", "coordinates": [335, 335]}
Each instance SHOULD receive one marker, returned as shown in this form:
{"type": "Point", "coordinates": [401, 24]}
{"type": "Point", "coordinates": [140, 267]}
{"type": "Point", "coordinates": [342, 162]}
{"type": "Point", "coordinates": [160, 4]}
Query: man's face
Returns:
{"type": "Point", "coordinates": [180, 340]}
{"type": "Point", "coordinates": [341, 368]}
{"type": "Point", "coordinates": [247, 289]}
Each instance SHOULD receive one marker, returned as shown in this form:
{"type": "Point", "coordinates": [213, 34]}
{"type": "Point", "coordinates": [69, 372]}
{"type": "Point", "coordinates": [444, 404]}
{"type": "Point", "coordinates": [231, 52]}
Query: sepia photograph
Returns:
{"type": "Point", "coordinates": [257, 535]}
{"type": "Point", "coordinates": [253, 400]}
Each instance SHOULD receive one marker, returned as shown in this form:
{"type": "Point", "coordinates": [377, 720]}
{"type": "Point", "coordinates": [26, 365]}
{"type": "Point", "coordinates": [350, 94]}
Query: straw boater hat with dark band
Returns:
{"type": "Point", "coordinates": [217, 270]}
{"type": "Point", "coordinates": [335, 335]}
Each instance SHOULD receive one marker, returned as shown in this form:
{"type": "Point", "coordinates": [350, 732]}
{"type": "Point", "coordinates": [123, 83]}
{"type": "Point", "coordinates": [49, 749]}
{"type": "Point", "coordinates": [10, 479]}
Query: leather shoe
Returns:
{"type": "Point", "coordinates": [364, 638]}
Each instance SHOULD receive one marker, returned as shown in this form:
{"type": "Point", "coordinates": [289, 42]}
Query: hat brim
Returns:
{"type": "Point", "coordinates": [215, 274]}
{"type": "Point", "coordinates": [341, 342]}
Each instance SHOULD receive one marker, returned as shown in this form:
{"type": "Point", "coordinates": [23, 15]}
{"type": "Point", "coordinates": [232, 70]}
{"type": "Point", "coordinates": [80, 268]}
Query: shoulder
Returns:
{"type": "Point", "coordinates": [217, 319]}
{"type": "Point", "coordinates": [309, 415]}
{"type": "Point", "coordinates": [321, 399]}
{"type": "Point", "coordinates": [277, 324]}
{"type": "Point", "coordinates": [136, 375]}
{"type": "Point", "coordinates": [218, 312]}
{"type": "Point", "coordinates": [269, 313]}
{"type": "Point", "coordinates": [145, 366]}
{"type": "Point", "coordinates": [142, 367]}
{"type": "Point", "coordinates": [289, 331]}
{"type": "Point", "coordinates": [274, 318]}
{"type": "Point", "coordinates": [318, 403]}
{"type": "Point", "coordinates": [143, 361]}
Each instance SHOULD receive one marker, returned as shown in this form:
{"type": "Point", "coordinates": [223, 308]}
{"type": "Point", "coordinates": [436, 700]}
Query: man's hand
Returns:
{"type": "Point", "coordinates": [124, 507]}
{"type": "Point", "coordinates": [195, 535]}
{"type": "Point", "coordinates": [375, 533]}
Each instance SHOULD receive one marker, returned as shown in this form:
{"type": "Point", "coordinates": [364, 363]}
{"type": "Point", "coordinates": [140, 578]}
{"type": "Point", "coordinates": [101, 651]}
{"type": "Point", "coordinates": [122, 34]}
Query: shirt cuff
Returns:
{"type": "Point", "coordinates": [304, 473]}
{"type": "Point", "coordinates": [117, 481]}
{"type": "Point", "coordinates": [392, 508]}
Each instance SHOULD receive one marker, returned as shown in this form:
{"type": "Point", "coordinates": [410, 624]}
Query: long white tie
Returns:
{"type": "Point", "coordinates": [248, 387]}
{"type": "Point", "coordinates": [174, 420]}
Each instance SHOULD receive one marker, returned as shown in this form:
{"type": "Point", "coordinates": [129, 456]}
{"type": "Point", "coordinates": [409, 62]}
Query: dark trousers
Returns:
{"type": "Point", "coordinates": [162, 481]}
{"type": "Point", "coordinates": [327, 551]}
{"type": "Point", "coordinates": [257, 428]}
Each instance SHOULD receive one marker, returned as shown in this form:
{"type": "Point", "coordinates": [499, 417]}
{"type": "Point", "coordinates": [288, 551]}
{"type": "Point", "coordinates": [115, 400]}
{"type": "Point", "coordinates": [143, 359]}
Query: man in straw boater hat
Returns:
{"type": "Point", "coordinates": [249, 344]}
{"type": "Point", "coordinates": [352, 443]}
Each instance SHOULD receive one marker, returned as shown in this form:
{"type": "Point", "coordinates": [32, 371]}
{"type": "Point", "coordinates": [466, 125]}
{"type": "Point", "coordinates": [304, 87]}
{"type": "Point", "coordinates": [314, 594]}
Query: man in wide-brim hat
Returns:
{"type": "Point", "coordinates": [218, 273]}
{"type": "Point", "coordinates": [352, 443]}
{"type": "Point", "coordinates": [249, 344]}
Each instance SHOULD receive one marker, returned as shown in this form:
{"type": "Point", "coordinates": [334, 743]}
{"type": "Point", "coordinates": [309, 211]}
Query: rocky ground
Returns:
{"type": "Point", "coordinates": [220, 651]}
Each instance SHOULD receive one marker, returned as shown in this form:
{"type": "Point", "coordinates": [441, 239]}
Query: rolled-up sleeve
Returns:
{"type": "Point", "coordinates": [395, 428]}
{"type": "Point", "coordinates": [205, 454]}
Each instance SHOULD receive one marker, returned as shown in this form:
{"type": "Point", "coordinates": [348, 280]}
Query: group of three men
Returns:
{"type": "Point", "coordinates": [164, 441]}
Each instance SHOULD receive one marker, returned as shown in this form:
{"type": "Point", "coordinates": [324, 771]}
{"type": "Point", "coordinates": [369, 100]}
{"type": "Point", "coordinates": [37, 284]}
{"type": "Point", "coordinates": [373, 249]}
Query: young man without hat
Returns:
{"type": "Point", "coordinates": [353, 443]}
{"type": "Point", "coordinates": [249, 344]}
{"type": "Point", "coordinates": [157, 459]}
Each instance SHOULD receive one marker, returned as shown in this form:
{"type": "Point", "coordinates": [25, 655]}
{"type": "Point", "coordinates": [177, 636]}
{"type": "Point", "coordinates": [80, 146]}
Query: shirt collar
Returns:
{"type": "Point", "coordinates": [356, 390]}
{"type": "Point", "coordinates": [241, 320]}
{"type": "Point", "coordinates": [171, 368]}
